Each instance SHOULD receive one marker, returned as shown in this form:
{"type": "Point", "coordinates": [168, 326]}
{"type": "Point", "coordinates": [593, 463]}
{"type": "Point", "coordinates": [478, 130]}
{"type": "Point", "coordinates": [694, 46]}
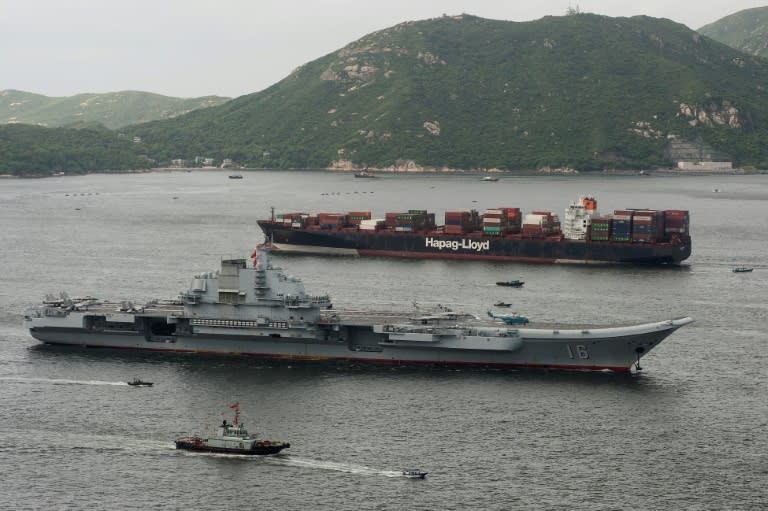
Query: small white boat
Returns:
{"type": "Point", "coordinates": [489, 178]}
{"type": "Point", "coordinates": [414, 474]}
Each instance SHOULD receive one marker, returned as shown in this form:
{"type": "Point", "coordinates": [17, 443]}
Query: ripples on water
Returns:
{"type": "Point", "coordinates": [688, 432]}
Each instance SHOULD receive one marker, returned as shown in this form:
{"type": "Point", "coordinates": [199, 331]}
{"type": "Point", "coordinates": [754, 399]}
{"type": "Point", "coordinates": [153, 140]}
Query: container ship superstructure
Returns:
{"type": "Point", "coordinates": [639, 236]}
{"type": "Point", "coordinates": [257, 310]}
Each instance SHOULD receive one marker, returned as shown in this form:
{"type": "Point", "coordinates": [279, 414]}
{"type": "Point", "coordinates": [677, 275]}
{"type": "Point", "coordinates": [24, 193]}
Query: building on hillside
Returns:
{"type": "Point", "coordinates": [204, 161]}
{"type": "Point", "coordinates": [697, 156]}
{"type": "Point", "coordinates": [705, 166]}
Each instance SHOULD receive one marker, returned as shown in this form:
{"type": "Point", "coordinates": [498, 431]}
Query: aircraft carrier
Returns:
{"type": "Point", "coordinates": [257, 310]}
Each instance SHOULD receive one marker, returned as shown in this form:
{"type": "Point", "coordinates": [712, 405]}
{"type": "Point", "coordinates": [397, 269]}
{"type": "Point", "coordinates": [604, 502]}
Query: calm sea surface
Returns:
{"type": "Point", "coordinates": [688, 432]}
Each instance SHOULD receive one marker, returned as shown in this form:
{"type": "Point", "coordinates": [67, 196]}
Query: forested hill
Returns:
{"type": "Point", "coordinates": [583, 91]}
{"type": "Point", "coordinates": [28, 150]}
{"type": "Point", "coordinates": [745, 30]}
{"type": "Point", "coordinates": [111, 109]}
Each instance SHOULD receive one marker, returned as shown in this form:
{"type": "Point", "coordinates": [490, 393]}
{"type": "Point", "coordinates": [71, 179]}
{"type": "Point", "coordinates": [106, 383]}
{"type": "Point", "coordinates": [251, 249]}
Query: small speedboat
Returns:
{"type": "Point", "coordinates": [140, 383]}
{"type": "Point", "coordinates": [489, 178]}
{"type": "Point", "coordinates": [414, 474]}
{"type": "Point", "coordinates": [235, 176]}
{"type": "Point", "coordinates": [510, 283]}
{"type": "Point", "coordinates": [365, 173]}
{"type": "Point", "coordinates": [502, 304]}
{"type": "Point", "coordinates": [742, 269]}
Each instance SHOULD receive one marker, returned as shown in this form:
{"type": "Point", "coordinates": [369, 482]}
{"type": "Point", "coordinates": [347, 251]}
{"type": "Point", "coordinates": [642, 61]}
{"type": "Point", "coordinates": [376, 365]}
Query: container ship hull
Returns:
{"type": "Point", "coordinates": [467, 246]}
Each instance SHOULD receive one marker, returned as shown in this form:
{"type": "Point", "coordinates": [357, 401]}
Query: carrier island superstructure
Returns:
{"type": "Point", "coordinates": [257, 310]}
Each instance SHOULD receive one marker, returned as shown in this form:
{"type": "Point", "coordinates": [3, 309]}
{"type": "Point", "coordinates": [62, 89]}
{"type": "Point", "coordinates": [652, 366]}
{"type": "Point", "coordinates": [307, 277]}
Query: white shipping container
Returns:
{"type": "Point", "coordinates": [532, 219]}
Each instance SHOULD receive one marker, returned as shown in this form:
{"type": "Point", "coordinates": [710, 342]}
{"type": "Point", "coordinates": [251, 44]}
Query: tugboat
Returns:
{"type": "Point", "coordinates": [231, 439]}
{"type": "Point", "coordinates": [414, 474]}
{"type": "Point", "coordinates": [140, 383]}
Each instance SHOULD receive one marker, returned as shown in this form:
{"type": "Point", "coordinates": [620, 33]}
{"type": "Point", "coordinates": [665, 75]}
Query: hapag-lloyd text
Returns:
{"type": "Point", "coordinates": [463, 244]}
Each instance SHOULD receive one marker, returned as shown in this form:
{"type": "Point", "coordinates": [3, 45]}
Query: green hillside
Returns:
{"type": "Point", "coordinates": [745, 30]}
{"type": "Point", "coordinates": [113, 109]}
{"type": "Point", "coordinates": [584, 91]}
{"type": "Point", "coordinates": [36, 151]}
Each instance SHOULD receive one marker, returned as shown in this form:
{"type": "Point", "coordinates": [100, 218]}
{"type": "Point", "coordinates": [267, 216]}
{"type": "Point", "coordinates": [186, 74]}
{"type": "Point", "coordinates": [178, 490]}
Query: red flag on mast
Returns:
{"type": "Point", "coordinates": [236, 407]}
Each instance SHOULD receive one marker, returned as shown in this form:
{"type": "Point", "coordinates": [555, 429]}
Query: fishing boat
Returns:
{"type": "Point", "coordinates": [502, 304]}
{"type": "Point", "coordinates": [510, 283]}
{"type": "Point", "coordinates": [231, 439]}
{"type": "Point", "coordinates": [742, 269]}
{"type": "Point", "coordinates": [414, 474]}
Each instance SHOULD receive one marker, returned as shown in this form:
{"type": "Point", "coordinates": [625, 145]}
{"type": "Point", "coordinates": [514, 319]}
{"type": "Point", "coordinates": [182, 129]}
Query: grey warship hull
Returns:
{"type": "Point", "coordinates": [259, 312]}
{"type": "Point", "coordinates": [365, 342]}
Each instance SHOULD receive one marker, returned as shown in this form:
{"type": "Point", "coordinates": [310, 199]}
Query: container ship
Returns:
{"type": "Point", "coordinates": [635, 236]}
{"type": "Point", "coordinates": [257, 310]}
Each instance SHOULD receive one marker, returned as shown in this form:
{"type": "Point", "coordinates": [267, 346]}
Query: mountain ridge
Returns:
{"type": "Point", "coordinates": [745, 30]}
{"type": "Point", "coordinates": [580, 91]}
{"type": "Point", "coordinates": [584, 91]}
{"type": "Point", "coordinates": [111, 109]}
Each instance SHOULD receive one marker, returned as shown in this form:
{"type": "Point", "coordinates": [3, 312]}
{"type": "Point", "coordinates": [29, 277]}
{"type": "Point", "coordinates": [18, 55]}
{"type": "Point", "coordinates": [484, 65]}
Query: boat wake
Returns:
{"type": "Point", "coordinates": [58, 441]}
{"type": "Point", "coordinates": [347, 468]}
{"type": "Point", "coordinates": [63, 381]}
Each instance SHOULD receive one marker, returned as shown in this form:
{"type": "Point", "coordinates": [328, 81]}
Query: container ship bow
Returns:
{"type": "Point", "coordinates": [634, 236]}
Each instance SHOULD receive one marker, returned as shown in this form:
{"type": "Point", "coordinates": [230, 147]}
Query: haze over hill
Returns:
{"type": "Point", "coordinates": [112, 109]}
{"type": "Point", "coordinates": [584, 91]}
{"type": "Point", "coordinates": [745, 30]}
